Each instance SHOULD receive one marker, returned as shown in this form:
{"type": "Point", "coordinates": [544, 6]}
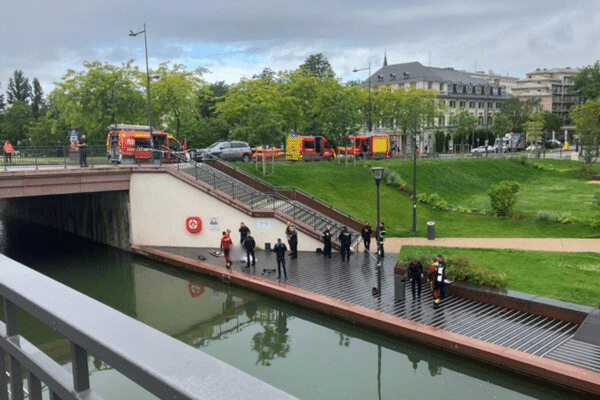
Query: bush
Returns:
{"type": "Point", "coordinates": [462, 269]}
{"type": "Point", "coordinates": [503, 197]}
{"type": "Point", "coordinates": [545, 216]}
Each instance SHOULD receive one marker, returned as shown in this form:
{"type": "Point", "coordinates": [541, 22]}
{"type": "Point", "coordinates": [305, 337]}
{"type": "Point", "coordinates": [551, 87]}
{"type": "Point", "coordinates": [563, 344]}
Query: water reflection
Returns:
{"type": "Point", "coordinates": [273, 342]}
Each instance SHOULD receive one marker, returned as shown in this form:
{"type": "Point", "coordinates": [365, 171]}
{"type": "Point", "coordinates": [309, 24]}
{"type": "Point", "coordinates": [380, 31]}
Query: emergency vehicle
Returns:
{"type": "Point", "coordinates": [367, 146]}
{"type": "Point", "coordinates": [308, 148]}
{"type": "Point", "coordinates": [137, 143]}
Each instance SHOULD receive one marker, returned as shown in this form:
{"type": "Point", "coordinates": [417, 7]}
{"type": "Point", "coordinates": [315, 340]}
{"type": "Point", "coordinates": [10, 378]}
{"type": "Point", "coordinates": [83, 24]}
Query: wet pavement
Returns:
{"type": "Point", "coordinates": [353, 282]}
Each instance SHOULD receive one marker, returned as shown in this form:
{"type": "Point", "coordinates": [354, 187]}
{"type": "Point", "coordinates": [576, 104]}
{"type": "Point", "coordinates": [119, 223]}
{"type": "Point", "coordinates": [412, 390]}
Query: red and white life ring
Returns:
{"type": "Point", "coordinates": [193, 224]}
{"type": "Point", "coordinates": [195, 289]}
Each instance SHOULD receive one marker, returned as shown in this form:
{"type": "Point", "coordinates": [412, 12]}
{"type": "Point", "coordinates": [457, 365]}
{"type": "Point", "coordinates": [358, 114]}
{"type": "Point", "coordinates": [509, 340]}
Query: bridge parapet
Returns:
{"type": "Point", "coordinates": [162, 365]}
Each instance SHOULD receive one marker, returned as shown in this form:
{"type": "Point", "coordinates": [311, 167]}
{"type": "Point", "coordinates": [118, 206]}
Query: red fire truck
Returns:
{"type": "Point", "coordinates": [137, 143]}
{"type": "Point", "coordinates": [308, 148]}
{"type": "Point", "coordinates": [367, 146]}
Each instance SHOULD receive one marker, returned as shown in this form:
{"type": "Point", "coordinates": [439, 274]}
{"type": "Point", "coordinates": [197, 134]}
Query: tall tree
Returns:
{"type": "Point", "coordinates": [587, 81]}
{"type": "Point", "coordinates": [37, 99]}
{"type": "Point", "coordinates": [518, 112]}
{"type": "Point", "coordinates": [2, 104]}
{"type": "Point", "coordinates": [318, 66]}
{"type": "Point", "coordinates": [587, 119]}
{"type": "Point", "coordinates": [463, 126]}
{"type": "Point", "coordinates": [19, 88]}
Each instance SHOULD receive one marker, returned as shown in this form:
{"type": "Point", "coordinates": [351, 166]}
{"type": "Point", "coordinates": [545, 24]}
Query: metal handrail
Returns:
{"type": "Point", "coordinates": [275, 200]}
{"type": "Point", "coordinates": [159, 363]}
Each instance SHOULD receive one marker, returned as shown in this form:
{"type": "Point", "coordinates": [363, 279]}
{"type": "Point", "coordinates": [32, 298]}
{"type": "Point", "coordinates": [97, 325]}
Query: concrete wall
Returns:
{"type": "Point", "coordinates": [161, 203]}
{"type": "Point", "coordinates": [102, 217]}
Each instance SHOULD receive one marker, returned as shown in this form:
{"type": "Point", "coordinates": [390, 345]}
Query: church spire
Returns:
{"type": "Point", "coordinates": [385, 58]}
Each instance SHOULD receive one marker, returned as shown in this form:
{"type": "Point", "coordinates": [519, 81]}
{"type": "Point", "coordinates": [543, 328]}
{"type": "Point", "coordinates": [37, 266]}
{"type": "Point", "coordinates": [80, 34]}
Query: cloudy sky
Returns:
{"type": "Point", "coordinates": [235, 39]}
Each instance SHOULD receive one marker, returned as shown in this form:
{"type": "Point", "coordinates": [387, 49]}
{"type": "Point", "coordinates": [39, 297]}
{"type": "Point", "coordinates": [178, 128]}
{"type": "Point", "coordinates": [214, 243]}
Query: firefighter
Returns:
{"type": "Point", "coordinates": [249, 244]}
{"type": "Point", "coordinates": [225, 247]}
{"type": "Point", "coordinates": [244, 231]}
{"type": "Point", "coordinates": [280, 248]}
{"type": "Point", "coordinates": [381, 236]}
{"type": "Point", "coordinates": [8, 150]}
{"type": "Point", "coordinates": [327, 242]}
{"type": "Point", "coordinates": [365, 233]}
{"type": "Point", "coordinates": [345, 239]}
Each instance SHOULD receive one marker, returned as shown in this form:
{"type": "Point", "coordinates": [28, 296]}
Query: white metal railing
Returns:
{"type": "Point", "coordinates": [162, 365]}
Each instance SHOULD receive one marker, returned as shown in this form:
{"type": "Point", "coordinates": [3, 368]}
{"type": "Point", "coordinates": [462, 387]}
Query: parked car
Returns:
{"type": "Point", "coordinates": [477, 151]}
{"type": "Point", "coordinates": [534, 147]}
{"type": "Point", "coordinates": [226, 151]}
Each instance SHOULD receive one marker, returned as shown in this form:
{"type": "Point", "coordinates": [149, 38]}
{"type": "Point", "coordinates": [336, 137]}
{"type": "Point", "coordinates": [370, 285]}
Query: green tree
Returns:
{"type": "Point", "coordinates": [15, 121]}
{"type": "Point", "coordinates": [37, 99]}
{"type": "Point", "coordinates": [463, 126]}
{"type": "Point", "coordinates": [100, 95]}
{"type": "Point", "coordinates": [19, 89]}
{"type": "Point", "coordinates": [501, 125]}
{"type": "Point", "coordinates": [518, 112]}
{"type": "Point", "coordinates": [587, 120]}
{"type": "Point", "coordinates": [552, 122]}
{"type": "Point", "coordinates": [318, 66]}
{"type": "Point", "coordinates": [175, 95]}
{"type": "Point", "coordinates": [587, 82]}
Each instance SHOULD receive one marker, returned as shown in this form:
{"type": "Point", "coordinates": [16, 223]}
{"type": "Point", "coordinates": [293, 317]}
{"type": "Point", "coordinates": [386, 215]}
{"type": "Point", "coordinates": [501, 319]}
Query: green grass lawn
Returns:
{"type": "Point", "coordinates": [571, 277]}
{"type": "Point", "coordinates": [562, 192]}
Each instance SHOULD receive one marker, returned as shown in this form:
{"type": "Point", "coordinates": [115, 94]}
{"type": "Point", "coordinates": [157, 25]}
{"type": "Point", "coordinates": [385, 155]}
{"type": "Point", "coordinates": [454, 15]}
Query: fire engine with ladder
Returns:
{"type": "Point", "coordinates": [308, 148]}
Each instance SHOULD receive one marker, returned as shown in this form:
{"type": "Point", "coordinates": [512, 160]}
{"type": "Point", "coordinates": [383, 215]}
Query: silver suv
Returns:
{"type": "Point", "coordinates": [226, 151]}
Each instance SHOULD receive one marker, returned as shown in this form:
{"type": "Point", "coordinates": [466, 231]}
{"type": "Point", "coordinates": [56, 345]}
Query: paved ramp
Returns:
{"type": "Point", "coordinates": [353, 282]}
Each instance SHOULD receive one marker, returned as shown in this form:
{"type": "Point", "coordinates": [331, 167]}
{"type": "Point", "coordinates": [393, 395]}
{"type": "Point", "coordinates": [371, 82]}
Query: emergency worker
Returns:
{"type": "Point", "coordinates": [226, 243]}
{"type": "Point", "coordinates": [327, 241]}
{"type": "Point", "coordinates": [365, 233]}
{"type": "Point", "coordinates": [415, 269]}
{"type": "Point", "coordinates": [83, 148]}
{"type": "Point", "coordinates": [280, 248]}
{"type": "Point", "coordinates": [249, 245]}
{"type": "Point", "coordinates": [293, 243]}
{"type": "Point", "coordinates": [381, 234]}
{"type": "Point", "coordinates": [345, 239]}
{"type": "Point", "coordinates": [8, 151]}
{"type": "Point", "coordinates": [244, 231]}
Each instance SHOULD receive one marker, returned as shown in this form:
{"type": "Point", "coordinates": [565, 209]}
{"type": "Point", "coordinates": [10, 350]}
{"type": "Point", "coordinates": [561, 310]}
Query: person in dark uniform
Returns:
{"type": "Point", "coordinates": [293, 243]}
{"type": "Point", "coordinates": [280, 248]}
{"type": "Point", "coordinates": [244, 231]}
{"type": "Point", "coordinates": [345, 239]}
{"type": "Point", "coordinates": [381, 233]}
{"type": "Point", "coordinates": [365, 233]}
{"type": "Point", "coordinates": [250, 244]}
{"type": "Point", "coordinates": [83, 151]}
{"type": "Point", "coordinates": [327, 242]}
{"type": "Point", "coordinates": [415, 269]}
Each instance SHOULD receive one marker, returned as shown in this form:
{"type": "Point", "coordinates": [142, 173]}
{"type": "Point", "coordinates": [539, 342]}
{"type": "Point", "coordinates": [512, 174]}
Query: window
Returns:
{"type": "Point", "coordinates": [469, 88]}
{"type": "Point", "coordinates": [489, 119]}
{"type": "Point", "coordinates": [459, 88]}
{"type": "Point", "coordinates": [380, 78]}
{"type": "Point", "coordinates": [481, 104]}
{"type": "Point", "coordinates": [471, 104]}
{"type": "Point", "coordinates": [392, 77]}
{"type": "Point", "coordinates": [480, 120]}
{"type": "Point", "coordinates": [490, 105]}
{"type": "Point", "coordinates": [477, 89]}
{"type": "Point", "coordinates": [452, 103]}
{"type": "Point", "coordinates": [462, 104]}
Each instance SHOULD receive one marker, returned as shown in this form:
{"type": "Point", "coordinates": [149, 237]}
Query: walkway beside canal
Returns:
{"type": "Point", "coordinates": [535, 345]}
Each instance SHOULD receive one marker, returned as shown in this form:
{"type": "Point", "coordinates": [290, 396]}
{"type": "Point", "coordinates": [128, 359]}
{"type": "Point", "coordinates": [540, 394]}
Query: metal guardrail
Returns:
{"type": "Point", "coordinates": [57, 156]}
{"type": "Point", "coordinates": [162, 365]}
{"type": "Point", "coordinates": [258, 200]}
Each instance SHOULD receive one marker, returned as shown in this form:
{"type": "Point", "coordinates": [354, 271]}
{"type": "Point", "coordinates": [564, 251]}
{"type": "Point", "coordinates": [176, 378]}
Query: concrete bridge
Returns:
{"type": "Point", "coordinates": [150, 205]}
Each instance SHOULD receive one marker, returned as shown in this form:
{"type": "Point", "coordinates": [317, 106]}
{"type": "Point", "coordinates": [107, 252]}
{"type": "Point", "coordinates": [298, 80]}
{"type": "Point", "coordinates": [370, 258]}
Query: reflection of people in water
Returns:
{"type": "Point", "coordinates": [229, 307]}
{"type": "Point", "coordinates": [434, 369]}
{"type": "Point", "coordinates": [273, 342]}
{"type": "Point", "coordinates": [413, 359]}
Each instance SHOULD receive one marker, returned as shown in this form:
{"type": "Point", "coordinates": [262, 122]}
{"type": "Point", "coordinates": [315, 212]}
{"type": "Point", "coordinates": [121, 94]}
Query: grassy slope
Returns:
{"type": "Point", "coordinates": [461, 183]}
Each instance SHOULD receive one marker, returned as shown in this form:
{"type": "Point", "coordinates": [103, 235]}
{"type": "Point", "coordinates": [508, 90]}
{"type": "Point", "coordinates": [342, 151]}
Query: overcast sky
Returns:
{"type": "Point", "coordinates": [235, 39]}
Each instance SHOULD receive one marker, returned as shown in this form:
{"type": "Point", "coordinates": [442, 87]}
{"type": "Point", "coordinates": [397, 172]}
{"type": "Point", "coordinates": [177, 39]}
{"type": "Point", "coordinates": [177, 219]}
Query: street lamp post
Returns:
{"type": "Point", "coordinates": [414, 194]}
{"type": "Point", "coordinates": [131, 33]}
{"type": "Point", "coordinates": [378, 176]}
{"type": "Point", "coordinates": [369, 122]}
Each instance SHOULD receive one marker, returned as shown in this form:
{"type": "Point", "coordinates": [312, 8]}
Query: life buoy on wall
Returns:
{"type": "Point", "coordinates": [193, 224]}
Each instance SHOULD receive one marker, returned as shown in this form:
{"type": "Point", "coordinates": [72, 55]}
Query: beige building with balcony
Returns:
{"type": "Point", "coordinates": [553, 88]}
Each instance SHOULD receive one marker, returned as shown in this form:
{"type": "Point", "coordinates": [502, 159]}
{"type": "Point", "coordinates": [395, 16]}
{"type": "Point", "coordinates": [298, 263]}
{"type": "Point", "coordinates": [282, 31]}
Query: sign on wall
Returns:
{"type": "Point", "coordinates": [213, 223]}
{"type": "Point", "coordinates": [264, 224]}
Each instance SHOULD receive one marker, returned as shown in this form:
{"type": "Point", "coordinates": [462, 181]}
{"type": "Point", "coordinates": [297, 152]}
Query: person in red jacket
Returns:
{"type": "Point", "coordinates": [225, 246]}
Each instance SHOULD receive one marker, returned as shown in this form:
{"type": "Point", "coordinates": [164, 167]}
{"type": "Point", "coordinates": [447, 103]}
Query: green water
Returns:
{"type": "Point", "coordinates": [308, 355]}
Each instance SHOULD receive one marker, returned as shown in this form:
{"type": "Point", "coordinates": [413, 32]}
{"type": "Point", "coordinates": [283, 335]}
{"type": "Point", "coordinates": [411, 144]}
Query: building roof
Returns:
{"type": "Point", "coordinates": [416, 72]}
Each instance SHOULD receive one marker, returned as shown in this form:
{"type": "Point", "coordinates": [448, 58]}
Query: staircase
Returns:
{"type": "Point", "coordinates": [258, 200]}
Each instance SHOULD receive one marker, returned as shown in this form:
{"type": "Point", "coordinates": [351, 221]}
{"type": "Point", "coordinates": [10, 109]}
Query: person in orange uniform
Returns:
{"type": "Point", "coordinates": [8, 150]}
{"type": "Point", "coordinates": [226, 243]}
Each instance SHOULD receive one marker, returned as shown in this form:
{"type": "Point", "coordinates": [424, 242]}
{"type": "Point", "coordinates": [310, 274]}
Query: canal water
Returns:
{"type": "Point", "coordinates": [306, 354]}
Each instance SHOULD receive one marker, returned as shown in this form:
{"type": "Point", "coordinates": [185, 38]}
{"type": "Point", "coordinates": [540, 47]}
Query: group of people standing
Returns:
{"type": "Point", "coordinates": [436, 274]}
{"type": "Point", "coordinates": [366, 232]}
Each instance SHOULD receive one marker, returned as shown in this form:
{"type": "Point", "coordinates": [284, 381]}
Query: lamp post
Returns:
{"type": "Point", "coordinates": [378, 176]}
{"type": "Point", "coordinates": [414, 194]}
{"type": "Point", "coordinates": [369, 122]}
{"type": "Point", "coordinates": [131, 33]}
